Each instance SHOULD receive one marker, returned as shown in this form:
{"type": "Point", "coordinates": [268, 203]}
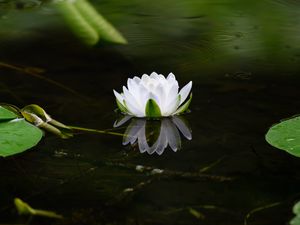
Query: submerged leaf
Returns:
{"type": "Point", "coordinates": [105, 30]}
{"type": "Point", "coordinates": [196, 213]}
{"type": "Point", "coordinates": [17, 136]}
{"type": "Point", "coordinates": [25, 209]}
{"type": "Point", "coordinates": [286, 136]}
{"type": "Point", "coordinates": [152, 109]}
{"type": "Point", "coordinates": [81, 28]}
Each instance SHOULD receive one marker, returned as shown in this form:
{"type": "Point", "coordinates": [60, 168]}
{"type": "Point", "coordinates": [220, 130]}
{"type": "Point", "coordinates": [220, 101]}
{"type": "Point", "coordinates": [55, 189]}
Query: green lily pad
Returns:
{"type": "Point", "coordinates": [286, 136]}
{"type": "Point", "coordinates": [16, 136]}
{"type": "Point", "coordinates": [152, 109]}
{"type": "Point", "coordinates": [5, 114]}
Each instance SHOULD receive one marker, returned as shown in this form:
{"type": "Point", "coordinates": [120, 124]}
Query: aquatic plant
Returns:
{"type": "Point", "coordinates": [153, 96]}
{"type": "Point", "coordinates": [24, 208]}
{"type": "Point", "coordinates": [87, 23]}
{"type": "Point", "coordinates": [286, 136]}
{"type": "Point", "coordinates": [296, 211]}
{"type": "Point", "coordinates": [22, 129]}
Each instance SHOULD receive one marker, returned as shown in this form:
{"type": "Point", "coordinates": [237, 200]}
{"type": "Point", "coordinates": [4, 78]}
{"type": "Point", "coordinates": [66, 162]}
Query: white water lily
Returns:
{"type": "Point", "coordinates": [153, 96]}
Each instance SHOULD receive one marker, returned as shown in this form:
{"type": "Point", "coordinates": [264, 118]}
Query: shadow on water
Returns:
{"type": "Point", "coordinates": [243, 60]}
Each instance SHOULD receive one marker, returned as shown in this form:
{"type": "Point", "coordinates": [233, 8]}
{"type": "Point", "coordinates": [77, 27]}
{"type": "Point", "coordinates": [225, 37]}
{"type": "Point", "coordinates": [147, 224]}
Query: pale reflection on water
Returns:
{"type": "Point", "coordinates": [154, 136]}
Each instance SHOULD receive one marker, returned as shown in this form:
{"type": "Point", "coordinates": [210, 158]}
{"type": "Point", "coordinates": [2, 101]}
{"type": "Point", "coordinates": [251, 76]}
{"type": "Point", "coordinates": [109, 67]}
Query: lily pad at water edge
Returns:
{"type": "Point", "coordinates": [286, 136]}
{"type": "Point", "coordinates": [5, 114]}
{"type": "Point", "coordinates": [17, 136]}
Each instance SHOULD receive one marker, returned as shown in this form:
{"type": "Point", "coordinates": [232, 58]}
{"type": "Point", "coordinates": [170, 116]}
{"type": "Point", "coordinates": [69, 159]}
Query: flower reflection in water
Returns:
{"type": "Point", "coordinates": [155, 135]}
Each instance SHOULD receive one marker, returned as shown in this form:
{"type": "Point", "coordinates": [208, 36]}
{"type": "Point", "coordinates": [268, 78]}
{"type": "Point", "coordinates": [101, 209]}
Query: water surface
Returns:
{"type": "Point", "coordinates": [243, 60]}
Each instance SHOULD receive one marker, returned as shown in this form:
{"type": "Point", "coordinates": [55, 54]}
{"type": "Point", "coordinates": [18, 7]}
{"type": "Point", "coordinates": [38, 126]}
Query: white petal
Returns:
{"type": "Point", "coordinates": [171, 101]}
{"type": "Point", "coordinates": [132, 104]}
{"type": "Point", "coordinates": [154, 75]}
{"type": "Point", "coordinates": [136, 79]}
{"type": "Point", "coordinates": [119, 97]}
{"type": "Point", "coordinates": [155, 98]}
{"type": "Point", "coordinates": [184, 92]}
{"type": "Point", "coordinates": [145, 78]}
{"type": "Point", "coordinates": [133, 88]}
{"type": "Point", "coordinates": [171, 76]}
{"type": "Point", "coordinates": [161, 96]}
{"type": "Point", "coordinates": [143, 96]}
{"type": "Point", "coordinates": [172, 106]}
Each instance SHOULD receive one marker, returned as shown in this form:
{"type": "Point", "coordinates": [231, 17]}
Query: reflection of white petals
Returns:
{"type": "Point", "coordinates": [164, 91]}
{"type": "Point", "coordinates": [123, 120]}
{"type": "Point", "coordinates": [132, 132]}
{"type": "Point", "coordinates": [168, 135]}
{"type": "Point", "coordinates": [184, 128]}
{"type": "Point", "coordinates": [172, 135]}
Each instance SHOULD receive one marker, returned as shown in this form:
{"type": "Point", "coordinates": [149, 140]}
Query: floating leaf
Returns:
{"type": "Point", "coordinates": [296, 211]}
{"type": "Point", "coordinates": [17, 136]}
{"type": "Point", "coordinates": [286, 136]}
{"type": "Point", "coordinates": [296, 208]}
{"type": "Point", "coordinates": [152, 109]}
{"type": "Point", "coordinates": [6, 114]}
{"type": "Point", "coordinates": [295, 221]}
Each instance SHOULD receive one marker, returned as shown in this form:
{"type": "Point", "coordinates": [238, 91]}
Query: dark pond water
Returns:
{"type": "Point", "coordinates": [243, 58]}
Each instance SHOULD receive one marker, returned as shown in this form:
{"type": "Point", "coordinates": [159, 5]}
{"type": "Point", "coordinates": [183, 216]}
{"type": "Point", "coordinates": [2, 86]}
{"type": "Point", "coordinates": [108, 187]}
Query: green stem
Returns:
{"type": "Point", "coordinates": [96, 131]}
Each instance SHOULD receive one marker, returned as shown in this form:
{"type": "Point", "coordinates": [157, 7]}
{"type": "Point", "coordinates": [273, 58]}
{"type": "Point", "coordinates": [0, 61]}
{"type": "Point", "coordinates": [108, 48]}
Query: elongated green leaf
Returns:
{"type": "Point", "coordinates": [17, 136]}
{"type": "Point", "coordinates": [286, 136]}
{"type": "Point", "coordinates": [152, 109]}
{"type": "Point", "coordinates": [105, 30]}
{"type": "Point", "coordinates": [184, 107]}
{"type": "Point", "coordinates": [79, 25]}
{"type": "Point", "coordinates": [5, 114]}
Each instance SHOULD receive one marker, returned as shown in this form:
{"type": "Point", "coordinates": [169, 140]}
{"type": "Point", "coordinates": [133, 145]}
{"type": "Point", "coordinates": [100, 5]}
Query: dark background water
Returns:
{"type": "Point", "coordinates": [243, 58]}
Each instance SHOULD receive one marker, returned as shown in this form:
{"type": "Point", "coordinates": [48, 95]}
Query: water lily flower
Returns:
{"type": "Point", "coordinates": [155, 136]}
{"type": "Point", "coordinates": [153, 96]}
